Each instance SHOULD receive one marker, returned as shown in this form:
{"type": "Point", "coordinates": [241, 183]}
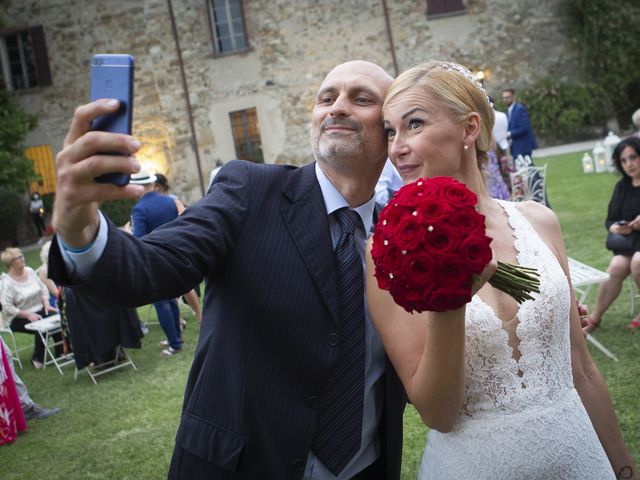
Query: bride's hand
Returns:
{"type": "Point", "coordinates": [487, 273]}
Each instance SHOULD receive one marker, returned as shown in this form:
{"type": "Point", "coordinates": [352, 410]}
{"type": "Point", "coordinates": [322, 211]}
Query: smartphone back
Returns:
{"type": "Point", "coordinates": [112, 77]}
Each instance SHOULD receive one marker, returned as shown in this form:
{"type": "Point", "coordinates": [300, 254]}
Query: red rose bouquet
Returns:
{"type": "Point", "coordinates": [429, 244]}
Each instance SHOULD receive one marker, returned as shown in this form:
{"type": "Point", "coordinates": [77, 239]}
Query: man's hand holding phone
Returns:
{"type": "Point", "coordinates": [75, 213]}
{"type": "Point", "coordinates": [96, 160]}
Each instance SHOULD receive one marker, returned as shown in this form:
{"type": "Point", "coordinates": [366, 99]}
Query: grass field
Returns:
{"type": "Point", "coordinates": [124, 427]}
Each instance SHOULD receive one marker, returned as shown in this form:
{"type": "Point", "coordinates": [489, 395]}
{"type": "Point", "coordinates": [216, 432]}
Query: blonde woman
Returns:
{"type": "Point", "coordinates": [25, 299]}
{"type": "Point", "coordinates": [508, 390]}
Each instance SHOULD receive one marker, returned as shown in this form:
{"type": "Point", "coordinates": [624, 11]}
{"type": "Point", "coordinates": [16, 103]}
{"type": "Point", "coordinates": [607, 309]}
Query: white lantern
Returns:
{"type": "Point", "coordinates": [587, 163]}
{"type": "Point", "coordinates": [610, 143]}
{"type": "Point", "coordinates": [599, 158]}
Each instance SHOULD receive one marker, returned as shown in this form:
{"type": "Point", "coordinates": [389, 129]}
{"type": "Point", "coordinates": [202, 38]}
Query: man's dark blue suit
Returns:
{"type": "Point", "coordinates": [261, 240]}
{"type": "Point", "coordinates": [523, 141]}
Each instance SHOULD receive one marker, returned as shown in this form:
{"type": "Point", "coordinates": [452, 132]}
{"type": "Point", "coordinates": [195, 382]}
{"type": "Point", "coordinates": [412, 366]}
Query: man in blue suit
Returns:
{"type": "Point", "coordinates": [152, 211]}
{"type": "Point", "coordinates": [523, 141]}
{"type": "Point", "coordinates": [267, 239]}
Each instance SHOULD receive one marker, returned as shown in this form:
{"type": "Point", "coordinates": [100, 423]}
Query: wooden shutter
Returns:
{"type": "Point", "coordinates": [40, 56]}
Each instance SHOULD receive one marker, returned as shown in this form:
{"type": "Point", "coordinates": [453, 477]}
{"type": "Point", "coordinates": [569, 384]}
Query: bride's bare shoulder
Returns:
{"type": "Point", "coordinates": [541, 218]}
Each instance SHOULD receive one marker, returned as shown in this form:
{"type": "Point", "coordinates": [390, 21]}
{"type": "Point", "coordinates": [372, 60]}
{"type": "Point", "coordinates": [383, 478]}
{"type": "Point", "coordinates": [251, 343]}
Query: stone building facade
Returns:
{"type": "Point", "coordinates": [290, 45]}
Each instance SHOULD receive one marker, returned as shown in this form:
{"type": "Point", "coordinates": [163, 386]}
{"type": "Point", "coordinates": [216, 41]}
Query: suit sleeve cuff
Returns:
{"type": "Point", "coordinates": [80, 261]}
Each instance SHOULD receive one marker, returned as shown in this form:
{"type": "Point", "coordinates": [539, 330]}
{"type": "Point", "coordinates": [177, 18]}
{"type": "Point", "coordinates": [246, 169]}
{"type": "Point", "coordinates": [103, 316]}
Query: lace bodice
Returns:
{"type": "Point", "coordinates": [520, 419]}
{"type": "Point", "coordinates": [495, 381]}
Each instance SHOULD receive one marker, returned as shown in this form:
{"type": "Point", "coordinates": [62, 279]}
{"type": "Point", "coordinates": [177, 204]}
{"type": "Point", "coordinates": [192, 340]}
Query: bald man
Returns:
{"type": "Point", "coordinates": [288, 381]}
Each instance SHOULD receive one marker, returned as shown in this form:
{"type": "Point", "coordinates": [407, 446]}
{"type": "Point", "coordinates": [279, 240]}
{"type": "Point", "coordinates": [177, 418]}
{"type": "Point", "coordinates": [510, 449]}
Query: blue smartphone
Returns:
{"type": "Point", "coordinates": [112, 77]}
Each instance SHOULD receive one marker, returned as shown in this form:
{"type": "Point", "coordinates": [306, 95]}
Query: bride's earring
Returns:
{"type": "Point", "coordinates": [466, 148]}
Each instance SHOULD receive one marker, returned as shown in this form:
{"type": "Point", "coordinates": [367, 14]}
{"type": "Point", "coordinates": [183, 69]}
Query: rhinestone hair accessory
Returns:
{"type": "Point", "coordinates": [467, 74]}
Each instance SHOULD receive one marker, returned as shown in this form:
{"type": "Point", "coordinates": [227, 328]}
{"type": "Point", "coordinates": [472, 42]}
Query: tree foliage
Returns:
{"type": "Point", "coordinates": [608, 32]}
{"type": "Point", "coordinates": [565, 110]}
{"type": "Point", "coordinates": [15, 169]}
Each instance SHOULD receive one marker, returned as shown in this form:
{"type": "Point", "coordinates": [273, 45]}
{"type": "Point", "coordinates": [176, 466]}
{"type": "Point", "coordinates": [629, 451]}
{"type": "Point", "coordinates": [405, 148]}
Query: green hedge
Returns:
{"type": "Point", "coordinates": [569, 110]}
{"type": "Point", "coordinates": [119, 211]}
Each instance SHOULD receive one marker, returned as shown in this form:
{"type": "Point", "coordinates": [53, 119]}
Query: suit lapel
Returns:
{"type": "Point", "coordinates": [305, 216]}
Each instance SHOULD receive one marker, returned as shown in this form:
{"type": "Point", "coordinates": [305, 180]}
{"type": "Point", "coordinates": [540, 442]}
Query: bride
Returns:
{"type": "Point", "coordinates": [507, 390]}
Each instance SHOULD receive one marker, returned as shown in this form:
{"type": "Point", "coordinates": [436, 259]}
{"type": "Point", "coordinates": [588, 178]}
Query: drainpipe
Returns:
{"type": "Point", "coordinates": [185, 87]}
{"type": "Point", "coordinates": [390, 37]}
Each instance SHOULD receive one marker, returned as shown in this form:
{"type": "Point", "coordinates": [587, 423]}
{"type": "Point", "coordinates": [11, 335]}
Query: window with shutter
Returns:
{"type": "Point", "coordinates": [25, 62]}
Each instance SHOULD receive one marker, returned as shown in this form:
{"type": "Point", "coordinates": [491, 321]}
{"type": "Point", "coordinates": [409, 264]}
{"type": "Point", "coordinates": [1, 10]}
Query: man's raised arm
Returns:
{"type": "Point", "coordinates": [75, 212]}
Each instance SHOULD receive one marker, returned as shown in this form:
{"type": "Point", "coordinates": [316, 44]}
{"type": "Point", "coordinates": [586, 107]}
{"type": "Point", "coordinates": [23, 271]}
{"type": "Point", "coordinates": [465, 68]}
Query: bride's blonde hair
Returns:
{"type": "Point", "coordinates": [457, 89]}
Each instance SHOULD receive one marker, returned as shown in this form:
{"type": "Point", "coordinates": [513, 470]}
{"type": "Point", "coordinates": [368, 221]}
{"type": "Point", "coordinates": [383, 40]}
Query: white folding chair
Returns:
{"type": "Point", "coordinates": [528, 183]}
{"type": "Point", "coordinates": [583, 277]}
{"type": "Point", "coordinates": [13, 346]}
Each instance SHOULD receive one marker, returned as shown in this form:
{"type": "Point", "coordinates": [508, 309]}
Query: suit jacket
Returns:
{"type": "Point", "coordinates": [523, 141]}
{"type": "Point", "coordinates": [261, 239]}
{"type": "Point", "coordinates": [152, 210]}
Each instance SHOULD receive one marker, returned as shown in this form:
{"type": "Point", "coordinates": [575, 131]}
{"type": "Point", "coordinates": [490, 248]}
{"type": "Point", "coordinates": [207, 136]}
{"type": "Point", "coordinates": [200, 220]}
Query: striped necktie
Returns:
{"type": "Point", "coordinates": [339, 433]}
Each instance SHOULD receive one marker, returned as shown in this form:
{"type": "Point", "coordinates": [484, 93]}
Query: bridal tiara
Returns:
{"type": "Point", "coordinates": [467, 74]}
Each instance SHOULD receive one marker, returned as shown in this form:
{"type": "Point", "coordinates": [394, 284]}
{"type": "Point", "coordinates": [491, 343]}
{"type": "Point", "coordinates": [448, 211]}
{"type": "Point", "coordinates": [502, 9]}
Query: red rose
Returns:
{"type": "Point", "coordinates": [459, 195]}
{"type": "Point", "coordinates": [414, 193]}
{"type": "Point", "coordinates": [390, 216]}
{"type": "Point", "coordinates": [434, 209]}
{"type": "Point", "coordinates": [382, 276]}
{"type": "Point", "coordinates": [443, 299]}
{"type": "Point", "coordinates": [409, 232]}
{"type": "Point", "coordinates": [440, 238]}
{"type": "Point", "coordinates": [406, 295]}
{"type": "Point", "coordinates": [477, 252]}
{"type": "Point", "coordinates": [467, 220]}
{"type": "Point", "coordinates": [393, 258]}
{"type": "Point", "coordinates": [378, 247]}
{"type": "Point", "coordinates": [419, 268]}
{"type": "Point", "coordinates": [409, 194]}
{"type": "Point", "coordinates": [453, 271]}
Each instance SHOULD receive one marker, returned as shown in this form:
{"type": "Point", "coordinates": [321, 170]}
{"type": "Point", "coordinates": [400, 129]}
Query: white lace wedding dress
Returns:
{"type": "Point", "coordinates": [520, 419]}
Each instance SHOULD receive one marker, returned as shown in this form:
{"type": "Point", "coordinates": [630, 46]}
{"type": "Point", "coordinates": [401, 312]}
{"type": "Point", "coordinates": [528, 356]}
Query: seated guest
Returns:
{"type": "Point", "coordinates": [25, 299]}
{"type": "Point", "coordinates": [30, 408]}
{"type": "Point", "coordinates": [623, 217]}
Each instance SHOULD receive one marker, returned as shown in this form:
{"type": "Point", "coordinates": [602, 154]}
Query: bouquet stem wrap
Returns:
{"type": "Point", "coordinates": [430, 243]}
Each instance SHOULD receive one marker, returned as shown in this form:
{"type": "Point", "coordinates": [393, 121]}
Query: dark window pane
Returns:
{"type": "Point", "coordinates": [443, 7]}
{"type": "Point", "coordinates": [28, 64]}
{"type": "Point", "coordinates": [234, 7]}
{"type": "Point", "coordinates": [236, 26]}
{"type": "Point", "coordinates": [225, 45]}
{"type": "Point", "coordinates": [240, 42]}
{"type": "Point", "coordinates": [223, 29]}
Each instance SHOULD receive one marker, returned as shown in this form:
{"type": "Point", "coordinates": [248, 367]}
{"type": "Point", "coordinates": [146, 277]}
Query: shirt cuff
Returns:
{"type": "Point", "coordinates": [80, 261]}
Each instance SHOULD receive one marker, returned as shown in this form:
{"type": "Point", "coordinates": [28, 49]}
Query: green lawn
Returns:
{"type": "Point", "coordinates": [124, 427]}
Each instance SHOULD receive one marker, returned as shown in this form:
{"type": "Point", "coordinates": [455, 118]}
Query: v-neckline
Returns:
{"type": "Point", "coordinates": [518, 262]}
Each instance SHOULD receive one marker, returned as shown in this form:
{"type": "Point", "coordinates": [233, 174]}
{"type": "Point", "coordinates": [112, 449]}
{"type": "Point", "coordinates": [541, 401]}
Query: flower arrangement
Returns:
{"type": "Point", "coordinates": [430, 242]}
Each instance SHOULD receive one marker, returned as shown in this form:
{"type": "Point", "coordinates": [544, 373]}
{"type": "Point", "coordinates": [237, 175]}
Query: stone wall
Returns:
{"type": "Point", "coordinates": [292, 45]}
